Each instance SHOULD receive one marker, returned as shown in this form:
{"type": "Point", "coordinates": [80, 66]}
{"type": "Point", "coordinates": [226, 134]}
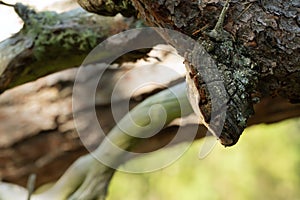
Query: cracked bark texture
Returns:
{"type": "Point", "coordinates": [260, 58]}
{"type": "Point", "coordinates": [268, 30]}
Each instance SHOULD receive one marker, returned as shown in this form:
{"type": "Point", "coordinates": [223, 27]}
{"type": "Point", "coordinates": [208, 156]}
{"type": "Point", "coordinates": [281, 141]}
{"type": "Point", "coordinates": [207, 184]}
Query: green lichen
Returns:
{"type": "Point", "coordinates": [65, 41]}
{"type": "Point", "coordinates": [208, 45]}
{"type": "Point", "coordinates": [48, 31]}
{"type": "Point", "coordinates": [51, 51]}
{"type": "Point", "coordinates": [53, 43]}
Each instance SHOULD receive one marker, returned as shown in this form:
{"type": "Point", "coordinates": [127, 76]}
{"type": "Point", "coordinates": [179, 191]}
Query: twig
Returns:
{"type": "Point", "coordinates": [219, 25]}
{"type": "Point", "coordinates": [6, 4]}
{"type": "Point", "coordinates": [31, 185]}
{"type": "Point", "coordinates": [22, 11]}
{"type": "Point", "coordinates": [247, 8]}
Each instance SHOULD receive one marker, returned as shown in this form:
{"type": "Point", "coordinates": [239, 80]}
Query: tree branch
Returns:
{"type": "Point", "coordinates": [257, 55]}
{"type": "Point", "coordinates": [50, 42]}
{"type": "Point", "coordinates": [52, 127]}
{"type": "Point", "coordinates": [252, 55]}
{"type": "Point", "coordinates": [109, 7]}
{"type": "Point", "coordinates": [242, 66]}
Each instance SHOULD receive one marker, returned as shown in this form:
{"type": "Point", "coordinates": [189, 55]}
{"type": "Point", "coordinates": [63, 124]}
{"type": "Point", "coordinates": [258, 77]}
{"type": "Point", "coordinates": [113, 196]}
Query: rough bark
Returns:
{"type": "Point", "coordinates": [269, 32]}
{"type": "Point", "coordinates": [259, 57]}
{"type": "Point", "coordinates": [256, 55]}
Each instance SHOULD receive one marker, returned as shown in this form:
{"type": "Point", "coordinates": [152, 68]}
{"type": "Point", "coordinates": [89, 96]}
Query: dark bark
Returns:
{"type": "Point", "coordinates": [257, 55]}
{"type": "Point", "coordinates": [268, 31]}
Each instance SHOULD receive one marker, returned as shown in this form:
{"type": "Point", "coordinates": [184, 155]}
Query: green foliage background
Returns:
{"type": "Point", "coordinates": [265, 164]}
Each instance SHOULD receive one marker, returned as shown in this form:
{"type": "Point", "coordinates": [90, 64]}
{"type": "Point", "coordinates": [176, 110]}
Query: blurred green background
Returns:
{"type": "Point", "coordinates": [265, 164]}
